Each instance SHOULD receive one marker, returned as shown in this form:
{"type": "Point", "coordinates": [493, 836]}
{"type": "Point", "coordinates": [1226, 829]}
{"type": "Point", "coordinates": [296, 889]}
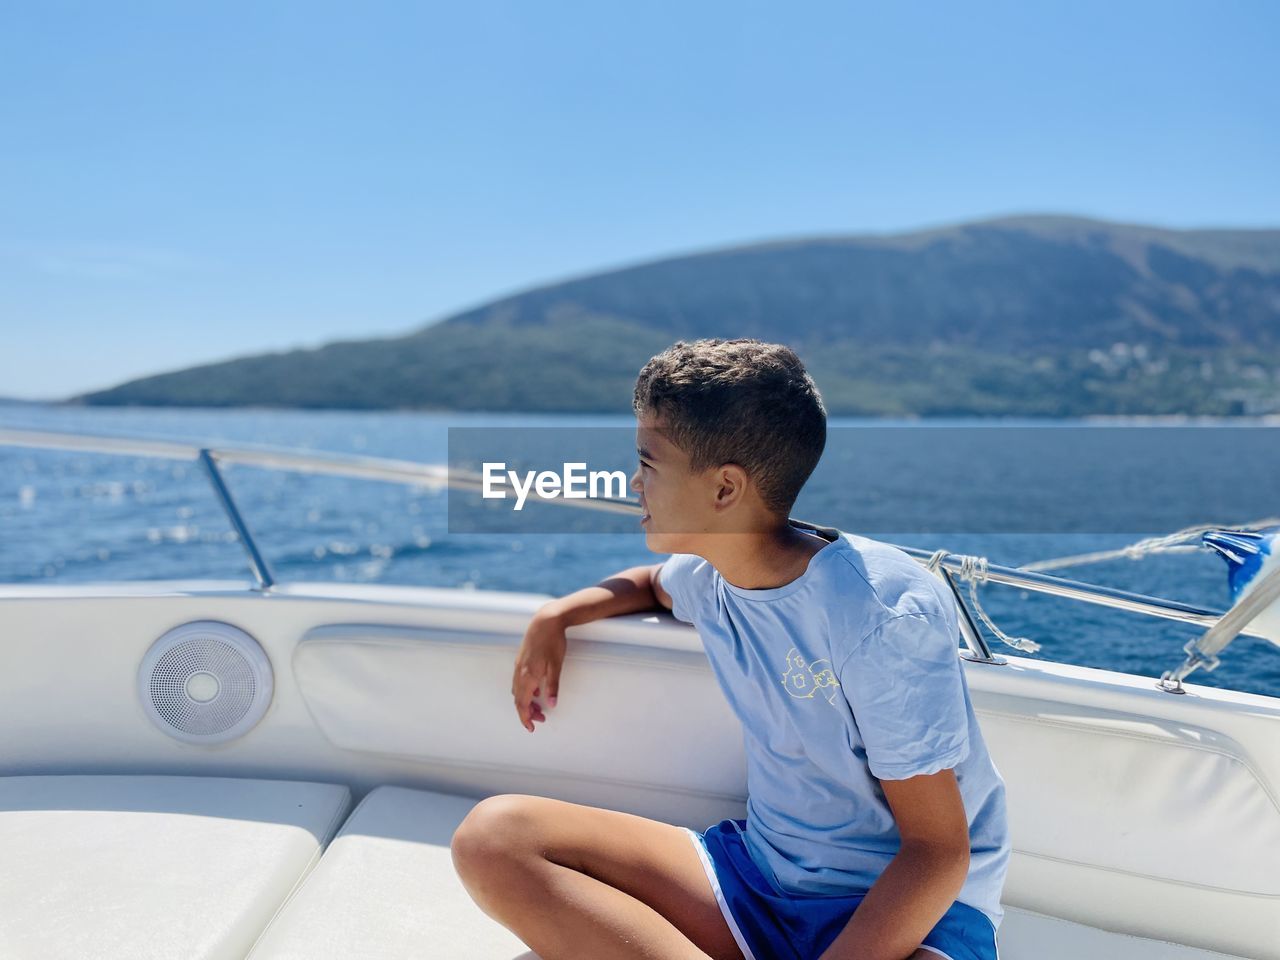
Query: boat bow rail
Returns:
{"type": "Point", "coordinates": [1143, 826]}
{"type": "Point", "coordinates": [1221, 627]}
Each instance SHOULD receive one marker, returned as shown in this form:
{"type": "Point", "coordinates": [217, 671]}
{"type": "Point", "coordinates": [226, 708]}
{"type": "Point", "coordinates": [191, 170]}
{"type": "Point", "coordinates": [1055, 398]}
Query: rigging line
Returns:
{"type": "Point", "coordinates": [1168, 543]}
{"type": "Point", "coordinates": [973, 570]}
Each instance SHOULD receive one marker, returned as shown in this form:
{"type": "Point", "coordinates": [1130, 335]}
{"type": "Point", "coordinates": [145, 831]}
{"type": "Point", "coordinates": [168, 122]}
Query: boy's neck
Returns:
{"type": "Point", "coordinates": [764, 561]}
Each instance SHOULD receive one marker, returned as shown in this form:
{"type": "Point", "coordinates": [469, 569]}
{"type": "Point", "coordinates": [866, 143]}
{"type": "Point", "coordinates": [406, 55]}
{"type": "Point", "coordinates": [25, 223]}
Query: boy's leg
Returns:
{"type": "Point", "coordinates": [577, 882]}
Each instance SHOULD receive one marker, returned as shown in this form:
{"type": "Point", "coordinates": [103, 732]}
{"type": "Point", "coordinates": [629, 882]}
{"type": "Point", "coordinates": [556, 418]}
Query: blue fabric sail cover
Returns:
{"type": "Point", "coordinates": [1250, 556]}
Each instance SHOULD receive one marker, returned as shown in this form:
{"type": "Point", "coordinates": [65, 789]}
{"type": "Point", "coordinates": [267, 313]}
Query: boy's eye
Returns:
{"type": "Point", "coordinates": [643, 464]}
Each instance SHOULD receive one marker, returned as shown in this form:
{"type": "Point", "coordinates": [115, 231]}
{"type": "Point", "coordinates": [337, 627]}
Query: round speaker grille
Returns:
{"type": "Point", "coordinates": [205, 682]}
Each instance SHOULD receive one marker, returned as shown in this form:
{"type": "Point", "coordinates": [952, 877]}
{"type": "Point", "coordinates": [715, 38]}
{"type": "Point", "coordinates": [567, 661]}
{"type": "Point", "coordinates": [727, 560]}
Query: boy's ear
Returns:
{"type": "Point", "coordinates": [731, 482]}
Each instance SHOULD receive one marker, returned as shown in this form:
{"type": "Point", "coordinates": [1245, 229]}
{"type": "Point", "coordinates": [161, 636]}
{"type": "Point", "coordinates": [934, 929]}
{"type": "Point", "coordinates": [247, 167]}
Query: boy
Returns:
{"type": "Point", "coordinates": [875, 825]}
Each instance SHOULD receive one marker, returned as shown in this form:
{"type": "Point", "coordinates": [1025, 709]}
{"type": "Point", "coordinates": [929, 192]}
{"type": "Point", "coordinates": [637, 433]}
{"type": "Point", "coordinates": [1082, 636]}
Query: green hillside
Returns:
{"type": "Point", "coordinates": [1056, 316]}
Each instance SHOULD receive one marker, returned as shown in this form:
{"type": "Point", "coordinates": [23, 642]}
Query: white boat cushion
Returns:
{"type": "Point", "coordinates": [1138, 824]}
{"type": "Point", "coordinates": [133, 867]}
{"type": "Point", "coordinates": [386, 890]}
{"type": "Point", "coordinates": [1026, 935]}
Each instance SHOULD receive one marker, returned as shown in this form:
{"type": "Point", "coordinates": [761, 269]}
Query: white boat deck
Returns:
{"type": "Point", "coordinates": [1145, 825]}
{"type": "Point", "coordinates": [210, 868]}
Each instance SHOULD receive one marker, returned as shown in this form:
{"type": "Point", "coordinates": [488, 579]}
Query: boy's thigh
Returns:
{"type": "Point", "coordinates": [653, 861]}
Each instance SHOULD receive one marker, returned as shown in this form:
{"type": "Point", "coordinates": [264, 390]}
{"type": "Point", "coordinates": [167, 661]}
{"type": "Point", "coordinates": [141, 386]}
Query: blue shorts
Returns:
{"type": "Point", "coordinates": [772, 927]}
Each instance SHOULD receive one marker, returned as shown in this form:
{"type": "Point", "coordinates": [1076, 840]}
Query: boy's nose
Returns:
{"type": "Point", "coordinates": [636, 485]}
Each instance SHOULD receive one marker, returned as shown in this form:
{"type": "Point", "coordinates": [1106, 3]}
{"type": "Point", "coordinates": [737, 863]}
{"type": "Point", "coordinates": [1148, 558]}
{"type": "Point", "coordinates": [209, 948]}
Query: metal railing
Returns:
{"type": "Point", "coordinates": [1221, 627]}
{"type": "Point", "coordinates": [276, 458]}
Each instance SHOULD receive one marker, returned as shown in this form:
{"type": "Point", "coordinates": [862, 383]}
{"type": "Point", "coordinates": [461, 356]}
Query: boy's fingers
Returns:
{"type": "Point", "coordinates": [538, 692]}
{"type": "Point", "coordinates": [524, 703]}
{"type": "Point", "coordinates": [535, 708]}
{"type": "Point", "coordinates": [529, 712]}
{"type": "Point", "coordinates": [528, 684]}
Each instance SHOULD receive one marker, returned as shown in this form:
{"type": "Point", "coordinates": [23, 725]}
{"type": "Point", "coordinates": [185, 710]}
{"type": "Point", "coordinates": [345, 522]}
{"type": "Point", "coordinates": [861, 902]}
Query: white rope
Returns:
{"type": "Point", "coordinates": [1169, 543]}
{"type": "Point", "coordinates": [973, 570]}
{"type": "Point", "coordinates": [1133, 552]}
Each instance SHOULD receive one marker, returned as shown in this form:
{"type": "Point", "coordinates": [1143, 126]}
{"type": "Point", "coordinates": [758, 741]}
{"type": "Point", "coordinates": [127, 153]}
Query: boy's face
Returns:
{"type": "Point", "coordinates": [679, 505]}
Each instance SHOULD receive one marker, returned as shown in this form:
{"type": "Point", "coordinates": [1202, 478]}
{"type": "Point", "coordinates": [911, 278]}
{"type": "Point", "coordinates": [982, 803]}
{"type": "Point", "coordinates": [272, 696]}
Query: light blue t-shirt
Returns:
{"type": "Point", "coordinates": [846, 676]}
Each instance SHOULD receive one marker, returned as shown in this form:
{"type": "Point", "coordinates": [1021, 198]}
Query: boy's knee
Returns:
{"type": "Point", "coordinates": [493, 830]}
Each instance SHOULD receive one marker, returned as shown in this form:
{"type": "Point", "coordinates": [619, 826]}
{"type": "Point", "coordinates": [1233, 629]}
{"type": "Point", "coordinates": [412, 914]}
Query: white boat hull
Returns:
{"type": "Point", "coordinates": [1141, 820]}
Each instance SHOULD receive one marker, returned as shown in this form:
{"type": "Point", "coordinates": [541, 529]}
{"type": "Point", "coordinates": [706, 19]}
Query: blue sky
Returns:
{"type": "Point", "coordinates": [187, 182]}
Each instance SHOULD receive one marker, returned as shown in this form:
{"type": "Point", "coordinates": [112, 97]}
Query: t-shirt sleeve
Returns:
{"type": "Point", "coordinates": [686, 577]}
{"type": "Point", "coordinates": [905, 686]}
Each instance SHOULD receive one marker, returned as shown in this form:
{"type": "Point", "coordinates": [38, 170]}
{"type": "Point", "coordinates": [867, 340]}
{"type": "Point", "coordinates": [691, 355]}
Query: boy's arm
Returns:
{"type": "Point", "coordinates": [905, 686]}
{"type": "Point", "coordinates": [537, 667]}
{"type": "Point", "coordinates": [922, 880]}
{"type": "Point", "coordinates": [627, 591]}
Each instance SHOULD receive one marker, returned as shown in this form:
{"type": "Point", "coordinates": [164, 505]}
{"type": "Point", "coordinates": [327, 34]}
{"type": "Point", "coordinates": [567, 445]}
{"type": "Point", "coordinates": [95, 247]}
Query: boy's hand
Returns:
{"type": "Point", "coordinates": [537, 668]}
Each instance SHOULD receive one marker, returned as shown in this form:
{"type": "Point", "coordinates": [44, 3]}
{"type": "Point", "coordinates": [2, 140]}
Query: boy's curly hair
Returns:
{"type": "Point", "coordinates": [739, 401]}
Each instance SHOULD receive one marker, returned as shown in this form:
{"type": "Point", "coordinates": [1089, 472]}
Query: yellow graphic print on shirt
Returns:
{"type": "Point", "coordinates": [802, 680]}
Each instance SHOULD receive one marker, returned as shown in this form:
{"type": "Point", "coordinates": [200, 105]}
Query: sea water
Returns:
{"type": "Point", "coordinates": [1008, 490]}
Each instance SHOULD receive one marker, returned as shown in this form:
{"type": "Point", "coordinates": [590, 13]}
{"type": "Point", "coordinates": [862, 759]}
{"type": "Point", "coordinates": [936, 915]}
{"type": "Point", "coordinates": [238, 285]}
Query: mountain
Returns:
{"type": "Point", "coordinates": [1031, 315]}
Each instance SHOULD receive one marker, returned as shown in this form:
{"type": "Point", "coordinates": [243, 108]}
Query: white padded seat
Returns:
{"type": "Point", "coordinates": [386, 889]}
{"type": "Point", "coordinates": [1026, 935]}
{"type": "Point", "coordinates": [99, 867]}
{"type": "Point", "coordinates": [137, 867]}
